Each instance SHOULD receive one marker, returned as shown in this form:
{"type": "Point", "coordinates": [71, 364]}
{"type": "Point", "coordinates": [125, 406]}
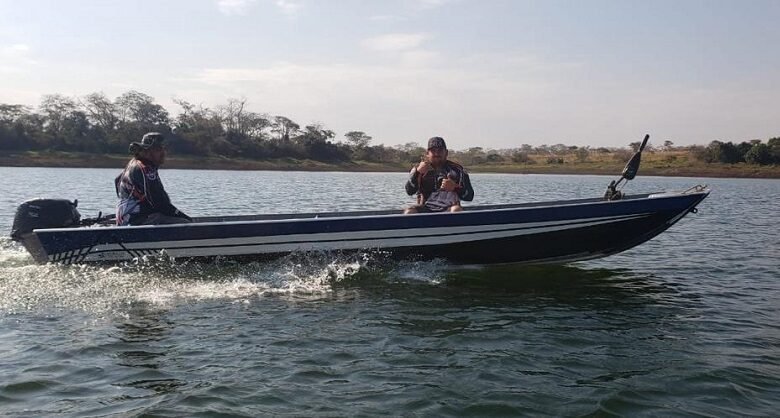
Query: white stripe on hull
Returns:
{"type": "Point", "coordinates": [382, 239]}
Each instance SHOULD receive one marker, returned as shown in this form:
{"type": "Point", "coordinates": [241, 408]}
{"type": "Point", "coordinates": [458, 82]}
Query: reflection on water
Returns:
{"type": "Point", "coordinates": [518, 295]}
{"type": "Point", "coordinates": [142, 328]}
{"type": "Point", "coordinates": [503, 284]}
{"type": "Point", "coordinates": [142, 344]}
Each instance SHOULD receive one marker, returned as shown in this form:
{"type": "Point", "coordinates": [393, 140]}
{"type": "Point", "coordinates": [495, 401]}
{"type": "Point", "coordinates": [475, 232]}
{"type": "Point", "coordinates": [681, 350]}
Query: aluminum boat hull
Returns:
{"type": "Point", "coordinates": [559, 231]}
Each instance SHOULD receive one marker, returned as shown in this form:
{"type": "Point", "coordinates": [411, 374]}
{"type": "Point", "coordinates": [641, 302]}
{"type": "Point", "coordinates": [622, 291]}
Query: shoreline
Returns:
{"type": "Point", "coordinates": [86, 160]}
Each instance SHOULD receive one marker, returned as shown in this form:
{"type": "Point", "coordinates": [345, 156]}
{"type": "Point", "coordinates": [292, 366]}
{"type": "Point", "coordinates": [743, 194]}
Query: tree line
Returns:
{"type": "Point", "coordinates": [96, 124]}
{"type": "Point", "coordinates": [750, 152]}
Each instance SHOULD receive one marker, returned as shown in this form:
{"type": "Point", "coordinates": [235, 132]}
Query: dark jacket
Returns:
{"type": "Point", "coordinates": [141, 193]}
{"type": "Point", "coordinates": [431, 181]}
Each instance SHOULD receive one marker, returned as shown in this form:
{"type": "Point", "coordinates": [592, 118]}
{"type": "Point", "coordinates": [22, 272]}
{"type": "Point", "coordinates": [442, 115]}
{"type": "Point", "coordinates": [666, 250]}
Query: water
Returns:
{"type": "Point", "coordinates": [686, 324]}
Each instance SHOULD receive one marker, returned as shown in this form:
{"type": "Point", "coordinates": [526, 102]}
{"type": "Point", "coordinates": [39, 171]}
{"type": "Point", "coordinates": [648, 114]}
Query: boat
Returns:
{"type": "Point", "coordinates": [524, 233]}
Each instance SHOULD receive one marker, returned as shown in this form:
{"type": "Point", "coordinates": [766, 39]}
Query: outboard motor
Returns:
{"type": "Point", "coordinates": [44, 213]}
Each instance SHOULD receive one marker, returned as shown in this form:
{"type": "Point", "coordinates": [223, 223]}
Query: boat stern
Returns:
{"type": "Point", "coordinates": [33, 245]}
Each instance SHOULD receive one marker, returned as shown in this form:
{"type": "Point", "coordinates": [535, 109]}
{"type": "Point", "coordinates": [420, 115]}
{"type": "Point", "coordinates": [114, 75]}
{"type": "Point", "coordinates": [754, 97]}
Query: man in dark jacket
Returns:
{"type": "Point", "coordinates": [142, 198]}
{"type": "Point", "coordinates": [440, 184]}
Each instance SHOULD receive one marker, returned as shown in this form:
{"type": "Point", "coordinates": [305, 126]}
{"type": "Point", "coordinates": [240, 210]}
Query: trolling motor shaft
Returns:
{"type": "Point", "coordinates": [629, 172]}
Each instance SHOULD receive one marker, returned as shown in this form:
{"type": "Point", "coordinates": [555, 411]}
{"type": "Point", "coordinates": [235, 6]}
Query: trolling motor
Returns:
{"type": "Point", "coordinates": [629, 172]}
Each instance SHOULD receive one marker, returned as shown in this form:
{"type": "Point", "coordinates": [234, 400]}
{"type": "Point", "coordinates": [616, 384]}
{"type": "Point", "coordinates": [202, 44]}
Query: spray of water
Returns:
{"type": "Point", "coordinates": [162, 283]}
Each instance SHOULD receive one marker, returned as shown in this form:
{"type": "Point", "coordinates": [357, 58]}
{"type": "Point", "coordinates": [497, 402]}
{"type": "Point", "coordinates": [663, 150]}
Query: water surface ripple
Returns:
{"type": "Point", "coordinates": [684, 325]}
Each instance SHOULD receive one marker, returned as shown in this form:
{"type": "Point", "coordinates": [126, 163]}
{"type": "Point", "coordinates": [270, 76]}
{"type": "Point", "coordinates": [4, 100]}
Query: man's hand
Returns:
{"type": "Point", "coordinates": [423, 167]}
{"type": "Point", "coordinates": [448, 185]}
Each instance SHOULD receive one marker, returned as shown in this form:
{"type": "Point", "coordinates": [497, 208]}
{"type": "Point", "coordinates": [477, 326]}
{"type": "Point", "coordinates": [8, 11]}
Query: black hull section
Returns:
{"type": "Point", "coordinates": [550, 247]}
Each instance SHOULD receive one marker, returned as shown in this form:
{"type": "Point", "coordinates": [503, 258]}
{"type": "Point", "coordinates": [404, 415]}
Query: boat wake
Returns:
{"type": "Point", "coordinates": [163, 283]}
{"type": "Point", "coordinates": [26, 287]}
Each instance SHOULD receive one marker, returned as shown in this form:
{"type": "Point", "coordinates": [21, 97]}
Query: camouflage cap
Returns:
{"type": "Point", "coordinates": [149, 140]}
{"type": "Point", "coordinates": [437, 142]}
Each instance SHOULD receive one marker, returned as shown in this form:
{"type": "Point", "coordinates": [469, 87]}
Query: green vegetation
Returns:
{"type": "Point", "coordinates": [94, 131]}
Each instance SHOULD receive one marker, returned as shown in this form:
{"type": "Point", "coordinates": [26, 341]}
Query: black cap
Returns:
{"type": "Point", "coordinates": [436, 142]}
{"type": "Point", "coordinates": [149, 140]}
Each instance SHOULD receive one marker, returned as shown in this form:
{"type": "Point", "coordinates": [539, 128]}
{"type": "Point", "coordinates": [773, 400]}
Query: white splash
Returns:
{"type": "Point", "coordinates": [163, 284]}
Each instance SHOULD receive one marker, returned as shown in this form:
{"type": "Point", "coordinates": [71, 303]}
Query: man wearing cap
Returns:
{"type": "Point", "coordinates": [142, 198]}
{"type": "Point", "coordinates": [440, 184]}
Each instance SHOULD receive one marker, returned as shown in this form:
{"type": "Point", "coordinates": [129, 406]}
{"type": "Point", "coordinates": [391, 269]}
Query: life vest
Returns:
{"type": "Point", "coordinates": [453, 169]}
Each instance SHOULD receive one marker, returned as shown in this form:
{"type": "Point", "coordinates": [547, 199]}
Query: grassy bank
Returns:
{"type": "Point", "coordinates": [88, 160]}
{"type": "Point", "coordinates": [653, 164]}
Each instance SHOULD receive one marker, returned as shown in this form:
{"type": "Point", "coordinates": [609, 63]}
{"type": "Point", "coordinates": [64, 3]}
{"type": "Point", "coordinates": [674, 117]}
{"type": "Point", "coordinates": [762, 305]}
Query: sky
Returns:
{"type": "Point", "coordinates": [490, 73]}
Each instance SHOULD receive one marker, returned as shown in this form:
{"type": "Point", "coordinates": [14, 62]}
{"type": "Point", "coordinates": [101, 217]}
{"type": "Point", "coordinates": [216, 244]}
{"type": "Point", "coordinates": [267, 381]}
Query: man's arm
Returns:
{"type": "Point", "coordinates": [166, 207]}
{"type": "Point", "coordinates": [413, 183]}
{"type": "Point", "coordinates": [466, 192]}
{"type": "Point", "coordinates": [147, 181]}
{"type": "Point", "coordinates": [162, 202]}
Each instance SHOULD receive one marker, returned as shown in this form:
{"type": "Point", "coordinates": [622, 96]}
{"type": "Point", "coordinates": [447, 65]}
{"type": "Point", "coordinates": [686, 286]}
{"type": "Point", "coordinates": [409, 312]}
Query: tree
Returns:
{"type": "Point", "coordinates": [11, 113]}
{"type": "Point", "coordinates": [558, 149]}
{"type": "Point", "coordinates": [237, 119]}
{"type": "Point", "coordinates": [358, 139]}
{"type": "Point", "coordinates": [668, 145]}
{"type": "Point", "coordinates": [285, 127]}
{"type": "Point", "coordinates": [521, 157]}
{"type": "Point", "coordinates": [410, 152]}
{"type": "Point", "coordinates": [140, 108]}
{"type": "Point", "coordinates": [13, 135]}
{"type": "Point", "coordinates": [196, 127]}
{"type": "Point", "coordinates": [56, 108]}
{"type": "Point", "coordinates": [494, 158]}
{"type": "Point", "coordinates": [315, 133]}
{"type": "Point", "coordinates": [743, 148]}
{"type": "Point", "coordinates": [315, 141]}
{"type": "Point", "coordinates": [137, 114]}
{"type": "Point", "coordinates": [255, 125]}
{"type": "Point", "coordinates": [774, 149]}
{"type": "Point", "coordinates": [101, 111]}
{"type": "Point", "coordinates": [759, 154]}
{"type": "Point", "coordinates": [723, 152]}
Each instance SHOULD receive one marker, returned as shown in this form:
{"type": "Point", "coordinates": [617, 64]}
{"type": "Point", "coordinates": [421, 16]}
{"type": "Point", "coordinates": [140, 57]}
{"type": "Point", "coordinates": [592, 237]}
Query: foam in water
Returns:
{"type": "Point", "coordinates": [430, 272]}
{"type": "Point", "coordinates": [162, 283]}
{"type": "Point", "coordinates": [13, 254]}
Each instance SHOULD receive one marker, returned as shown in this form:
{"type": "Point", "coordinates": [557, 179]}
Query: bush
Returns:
{"type": "Point", "coordinates": [622, 155]}
{"type": "Point", "coordinates": [582, 154]}
{"type": "Point", "coordinates": [495, 158]}
{"type": "Point", "coordinates": [759, 154]}
{"type": "Point", "coordinates": [521, 157]}
{"type": "Point", "coordinates": [774, 149]}
{"type": "Point", "coordinates": [699, 153]}
{"type": "Point", "coordinates": [723, 152]}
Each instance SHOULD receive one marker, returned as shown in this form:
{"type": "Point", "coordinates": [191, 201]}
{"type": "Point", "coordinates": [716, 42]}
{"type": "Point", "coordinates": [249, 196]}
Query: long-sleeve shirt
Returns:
{"type": "Point", "coordinates": [141, 193]}
{"type": "Point", "coordinates": [432, 179]}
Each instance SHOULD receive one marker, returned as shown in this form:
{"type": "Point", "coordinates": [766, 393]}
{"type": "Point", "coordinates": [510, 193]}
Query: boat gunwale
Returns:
{"type": "Point", "coordinates": [317, 217]}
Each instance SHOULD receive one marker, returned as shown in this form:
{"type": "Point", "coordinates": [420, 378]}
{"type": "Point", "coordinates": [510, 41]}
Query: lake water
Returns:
{"type": "Point", "coordinates": [685, 324]}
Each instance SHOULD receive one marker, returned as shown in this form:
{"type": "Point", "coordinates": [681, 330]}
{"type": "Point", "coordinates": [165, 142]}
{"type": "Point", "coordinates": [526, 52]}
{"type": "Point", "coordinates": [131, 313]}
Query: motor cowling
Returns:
{"type": "Point", "coordinates": [44, 213]}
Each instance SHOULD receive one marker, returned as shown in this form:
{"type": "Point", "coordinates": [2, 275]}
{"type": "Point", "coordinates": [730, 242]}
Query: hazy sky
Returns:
{"type": "Point", "coordinates": [485, 73]}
